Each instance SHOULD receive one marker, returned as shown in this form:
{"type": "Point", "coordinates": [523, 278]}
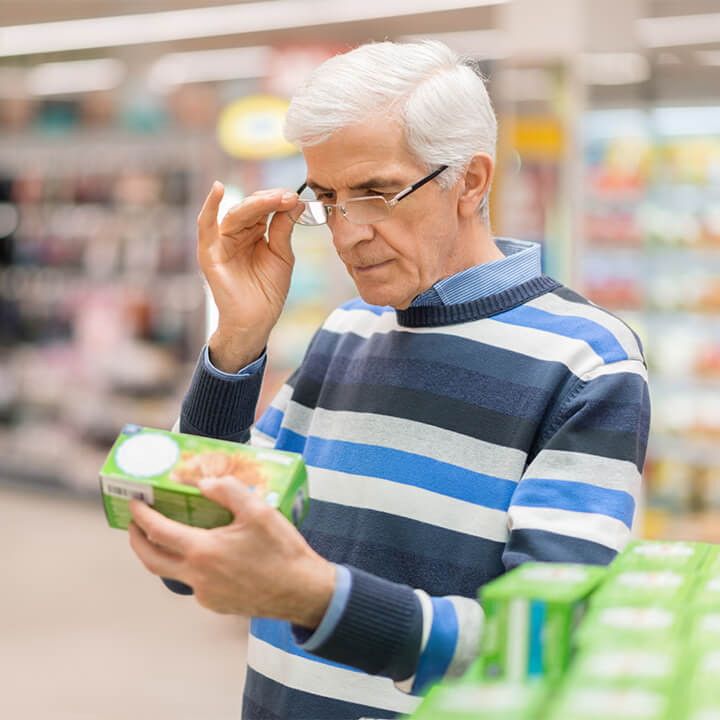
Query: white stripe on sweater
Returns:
{"type": "Point", "coordinates": [537, 344]}
{"type": "Point", "coordinates": [408, 436]}
{"type": "Point", "coordinates": [600, 529]}
{"type": "Point", "coordinates": [594, 470]}
{"type": "Point", "coordinates": [326, 680]}
{"type": "Point", "coordinates": [372, 493]}
{"type": "Point", "coordinates": [549, 302]}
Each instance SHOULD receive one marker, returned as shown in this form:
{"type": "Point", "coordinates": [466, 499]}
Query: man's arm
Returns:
{"type": "Point", "coordinates": [577, 499]}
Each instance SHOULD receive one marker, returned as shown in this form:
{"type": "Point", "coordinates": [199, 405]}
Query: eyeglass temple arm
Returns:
{"type": "Point", "coordinates": [420, 183]}
{"type": "Point", "coordinates": [301, 188]}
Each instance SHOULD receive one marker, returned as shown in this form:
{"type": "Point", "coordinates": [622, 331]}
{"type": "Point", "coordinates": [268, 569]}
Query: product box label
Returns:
{"type": "Point", "coordinates": [164, 468]}
{"type": "Point", "coordinates": [645, 587]}
{"type": "Point", "coordinates": [661, 555]}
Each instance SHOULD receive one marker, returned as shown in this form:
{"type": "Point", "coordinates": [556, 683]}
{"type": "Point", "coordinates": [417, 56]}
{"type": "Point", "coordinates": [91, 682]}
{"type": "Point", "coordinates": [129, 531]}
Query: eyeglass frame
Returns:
{"type": "Point", "coordinates": [390, 203]}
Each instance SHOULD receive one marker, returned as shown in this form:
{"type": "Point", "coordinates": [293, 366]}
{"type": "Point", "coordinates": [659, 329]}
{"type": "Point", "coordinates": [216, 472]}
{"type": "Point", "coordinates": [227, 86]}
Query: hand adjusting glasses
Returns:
{"type": "Point", "coordinates": [361, 210]}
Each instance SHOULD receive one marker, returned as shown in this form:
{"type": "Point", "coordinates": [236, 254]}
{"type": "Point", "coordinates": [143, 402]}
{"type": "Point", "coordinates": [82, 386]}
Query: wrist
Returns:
{"type": "Point", "coordinates": [319, 583]}
{"type": "Point", "coordinates": [232, 351]}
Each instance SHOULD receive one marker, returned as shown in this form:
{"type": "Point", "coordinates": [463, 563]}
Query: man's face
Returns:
{"type": "Point", "coordinates": [395, 260]}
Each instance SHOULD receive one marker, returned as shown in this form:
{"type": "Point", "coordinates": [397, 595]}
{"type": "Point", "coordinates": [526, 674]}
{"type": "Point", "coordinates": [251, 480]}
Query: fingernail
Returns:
{"type": "Point", "coordinates": [289, 196]}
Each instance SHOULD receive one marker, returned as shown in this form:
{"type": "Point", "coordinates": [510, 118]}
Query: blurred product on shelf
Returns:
{"type": "Point", "coordinates": [652, 253]}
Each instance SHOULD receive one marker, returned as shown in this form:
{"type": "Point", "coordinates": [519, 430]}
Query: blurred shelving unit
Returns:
{"type": "Point", "coordinates": [652, 254]}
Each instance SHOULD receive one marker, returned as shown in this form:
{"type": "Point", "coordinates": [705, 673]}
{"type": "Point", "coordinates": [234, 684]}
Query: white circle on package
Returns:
{"type": "Point", "coordinates": [664, 550]}
{"type": "Point", "coordinates": [147, 455]}
{"type": "Point", "coordinates": [660, 579]}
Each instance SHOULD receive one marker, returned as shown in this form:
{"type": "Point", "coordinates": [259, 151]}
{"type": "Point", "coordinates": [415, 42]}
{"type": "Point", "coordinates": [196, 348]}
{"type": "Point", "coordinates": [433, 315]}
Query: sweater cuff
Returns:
{"type": "Point", "coordinates": [310, 640]}
{"type": "Point", "coordinates": [221, 405]}
{"type": "Point", "coordinates": [379, 630]}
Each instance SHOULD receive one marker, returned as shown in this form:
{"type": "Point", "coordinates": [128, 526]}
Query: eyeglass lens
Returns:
{"type": "Point", "coordinates": [361, 211]}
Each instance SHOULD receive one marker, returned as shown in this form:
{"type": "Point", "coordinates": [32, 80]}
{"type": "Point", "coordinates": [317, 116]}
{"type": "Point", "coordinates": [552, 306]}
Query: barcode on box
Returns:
{"type": "Point", "coordinates": [128, 490]}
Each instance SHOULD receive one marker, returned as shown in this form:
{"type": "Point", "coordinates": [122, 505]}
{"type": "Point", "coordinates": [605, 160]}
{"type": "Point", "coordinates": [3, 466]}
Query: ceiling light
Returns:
{"type": "Point", "coordinates": [239, 19]}
{"type": "Point", "coordinates": [74, 77]}
{"type": "Point", "coordinates": [209, 65]}
{"type": "Point", "coordinates": [678, 30]}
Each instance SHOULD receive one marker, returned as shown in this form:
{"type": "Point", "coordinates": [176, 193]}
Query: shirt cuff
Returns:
{"type": "Point", "coordinates": [247, 371]}
{"type": "Point", "coordinates": [343, 583]}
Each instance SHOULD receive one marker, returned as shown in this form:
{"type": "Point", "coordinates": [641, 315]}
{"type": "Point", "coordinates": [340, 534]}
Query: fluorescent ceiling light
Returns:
{"type": "Point", "coordinates": [239, 19]}
{"type": "Point", "coordinates": [679, 30]}
{"type": "Point", "coordinates": [74, 77]}
{"type": "Point", "coordinates": [209, 65]}
{"type": "Point", "coordinates": [614, 68]}
{"type": "Point", "coordinates": [479, 44]}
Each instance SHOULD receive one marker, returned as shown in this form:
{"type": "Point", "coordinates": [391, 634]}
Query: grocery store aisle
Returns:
{"type": "Point", "coordinates": [87, 634]}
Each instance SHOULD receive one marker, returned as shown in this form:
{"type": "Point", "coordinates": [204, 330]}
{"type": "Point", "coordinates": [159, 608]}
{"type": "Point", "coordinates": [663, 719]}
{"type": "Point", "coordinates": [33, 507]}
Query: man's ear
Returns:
{"type": "Point", "coordinates": [478, 175]}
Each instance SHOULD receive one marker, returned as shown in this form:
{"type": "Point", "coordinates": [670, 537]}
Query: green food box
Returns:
{"type": "Point", "coordinates": [645, 587]}
{"type": "Point", "coordinates": [482, 701]}
{"type": "Point", "coordinates": [631, 625]}
{"type": "Point", "coordinates": [654, 668]}
{"type": "Point", "coordinates": [712, 560]}
{"type": "Point", "coordinates": [705, 629]}
{"type": "Point", "coordinates": [706, 593]}
{"type": "Point", "coordinates": [583, 702]}
{"type": "Point", "coordinates": [661, 555]}
{"type": "Point", "coordinates": [163, 469]}
{"type": "Point", "coordinates": [530, 615]}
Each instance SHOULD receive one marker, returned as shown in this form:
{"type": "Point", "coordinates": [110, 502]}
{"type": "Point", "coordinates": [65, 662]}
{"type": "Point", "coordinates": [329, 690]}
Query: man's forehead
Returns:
{"type": "Point", "coordinates": [370, 181]}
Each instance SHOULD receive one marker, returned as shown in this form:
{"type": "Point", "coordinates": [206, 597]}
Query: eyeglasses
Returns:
{"type": "Point", "coordinates": [361, 211]}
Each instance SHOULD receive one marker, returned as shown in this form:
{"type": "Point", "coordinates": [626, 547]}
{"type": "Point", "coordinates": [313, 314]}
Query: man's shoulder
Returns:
{"type": "Point", "coordinates": [570, 314]}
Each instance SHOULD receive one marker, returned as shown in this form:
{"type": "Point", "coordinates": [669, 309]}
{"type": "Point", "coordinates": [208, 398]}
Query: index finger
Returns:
{"type": "Point", "coordinates": [256, 208]}
{"type": "Point", "coordinates": [161, 530]}
{"type": "Point", "coordinates": [207, 219]}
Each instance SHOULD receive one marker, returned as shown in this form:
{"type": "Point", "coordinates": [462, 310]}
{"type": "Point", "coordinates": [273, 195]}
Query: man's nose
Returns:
{"type": "Point", "coordinates": [347, 234]}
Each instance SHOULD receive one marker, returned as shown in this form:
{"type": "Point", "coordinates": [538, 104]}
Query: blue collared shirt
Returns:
{"type": "Point", "coordinates": [522, 262]}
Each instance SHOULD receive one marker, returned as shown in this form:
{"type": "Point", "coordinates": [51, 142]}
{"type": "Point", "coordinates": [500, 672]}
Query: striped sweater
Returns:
{"type": "Point", "coordinates": [444, 445]}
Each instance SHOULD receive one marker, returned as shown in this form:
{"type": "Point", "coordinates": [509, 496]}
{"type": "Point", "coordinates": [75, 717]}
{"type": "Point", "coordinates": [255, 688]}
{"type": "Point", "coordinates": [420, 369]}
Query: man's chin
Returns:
{"type": "Point", "coordinates": [382, 297]}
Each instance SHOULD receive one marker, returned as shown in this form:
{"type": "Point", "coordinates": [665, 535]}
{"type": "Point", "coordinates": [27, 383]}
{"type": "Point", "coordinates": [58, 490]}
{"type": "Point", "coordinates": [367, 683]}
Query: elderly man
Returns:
{"type": "Point", "coordinates": [466, 414]}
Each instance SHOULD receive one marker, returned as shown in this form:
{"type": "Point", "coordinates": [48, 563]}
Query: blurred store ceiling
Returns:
{"type": "Point", "coordinates": [625, 48]}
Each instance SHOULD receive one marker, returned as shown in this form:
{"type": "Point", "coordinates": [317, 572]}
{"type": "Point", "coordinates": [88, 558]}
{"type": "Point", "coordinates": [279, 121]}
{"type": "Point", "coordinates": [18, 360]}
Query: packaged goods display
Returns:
{"type": "Point", "coordinates": [647, 647]}
{"type": "Point", "coordinates": [471, 701]}
{"type": "Point", "coordinates": [530, 615]}
{"type": "Point", "coordinates": [163, 469]}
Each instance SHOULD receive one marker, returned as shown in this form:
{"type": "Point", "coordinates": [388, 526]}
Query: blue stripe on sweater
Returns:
{"type": "Point", "coordinates": [575, 496]}
{"type": "Point", "coordinates": [278, 634]}
{"type": "Point", "coordinates": [402, 467]}
{"type": "Point", "coordinates": [601, 340]}
{"type": "Point", "coordinates": [440, 648]}
{"type": "Point", "coordinates": [270, 421]}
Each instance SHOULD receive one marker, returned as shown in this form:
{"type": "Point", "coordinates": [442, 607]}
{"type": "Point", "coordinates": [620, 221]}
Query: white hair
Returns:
{"type": "Point", "coordinates": [439, 99]}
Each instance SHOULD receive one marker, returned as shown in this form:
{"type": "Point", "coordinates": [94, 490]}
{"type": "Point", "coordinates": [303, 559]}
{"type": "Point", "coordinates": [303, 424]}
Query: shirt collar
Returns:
{"type": "Point", "coordinates": [522, 262]}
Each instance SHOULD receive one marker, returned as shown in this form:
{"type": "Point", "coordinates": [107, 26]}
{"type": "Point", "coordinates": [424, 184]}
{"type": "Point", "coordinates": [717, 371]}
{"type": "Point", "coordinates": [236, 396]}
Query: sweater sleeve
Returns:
{"type": "Point", "coordinates": [389, 629]}
{"type": "Point", "coordinates": [220, 405]}
{"type": "Point", "coordinates": [576, 500]}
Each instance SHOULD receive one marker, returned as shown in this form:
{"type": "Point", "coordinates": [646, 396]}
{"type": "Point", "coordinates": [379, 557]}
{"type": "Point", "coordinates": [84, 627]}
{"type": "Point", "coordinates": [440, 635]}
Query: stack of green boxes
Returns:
{"type": "Point", "coordinates": [640, 639]}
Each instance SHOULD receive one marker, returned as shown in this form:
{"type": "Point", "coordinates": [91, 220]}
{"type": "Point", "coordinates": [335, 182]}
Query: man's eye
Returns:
{"type": "Point", "coordinates": [325, 197]}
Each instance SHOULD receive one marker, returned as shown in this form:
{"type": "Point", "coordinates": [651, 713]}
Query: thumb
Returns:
{"type": "Point", "coordinates": [279, 232]}
{"type": "Point", "coordinates": [230, 493]}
